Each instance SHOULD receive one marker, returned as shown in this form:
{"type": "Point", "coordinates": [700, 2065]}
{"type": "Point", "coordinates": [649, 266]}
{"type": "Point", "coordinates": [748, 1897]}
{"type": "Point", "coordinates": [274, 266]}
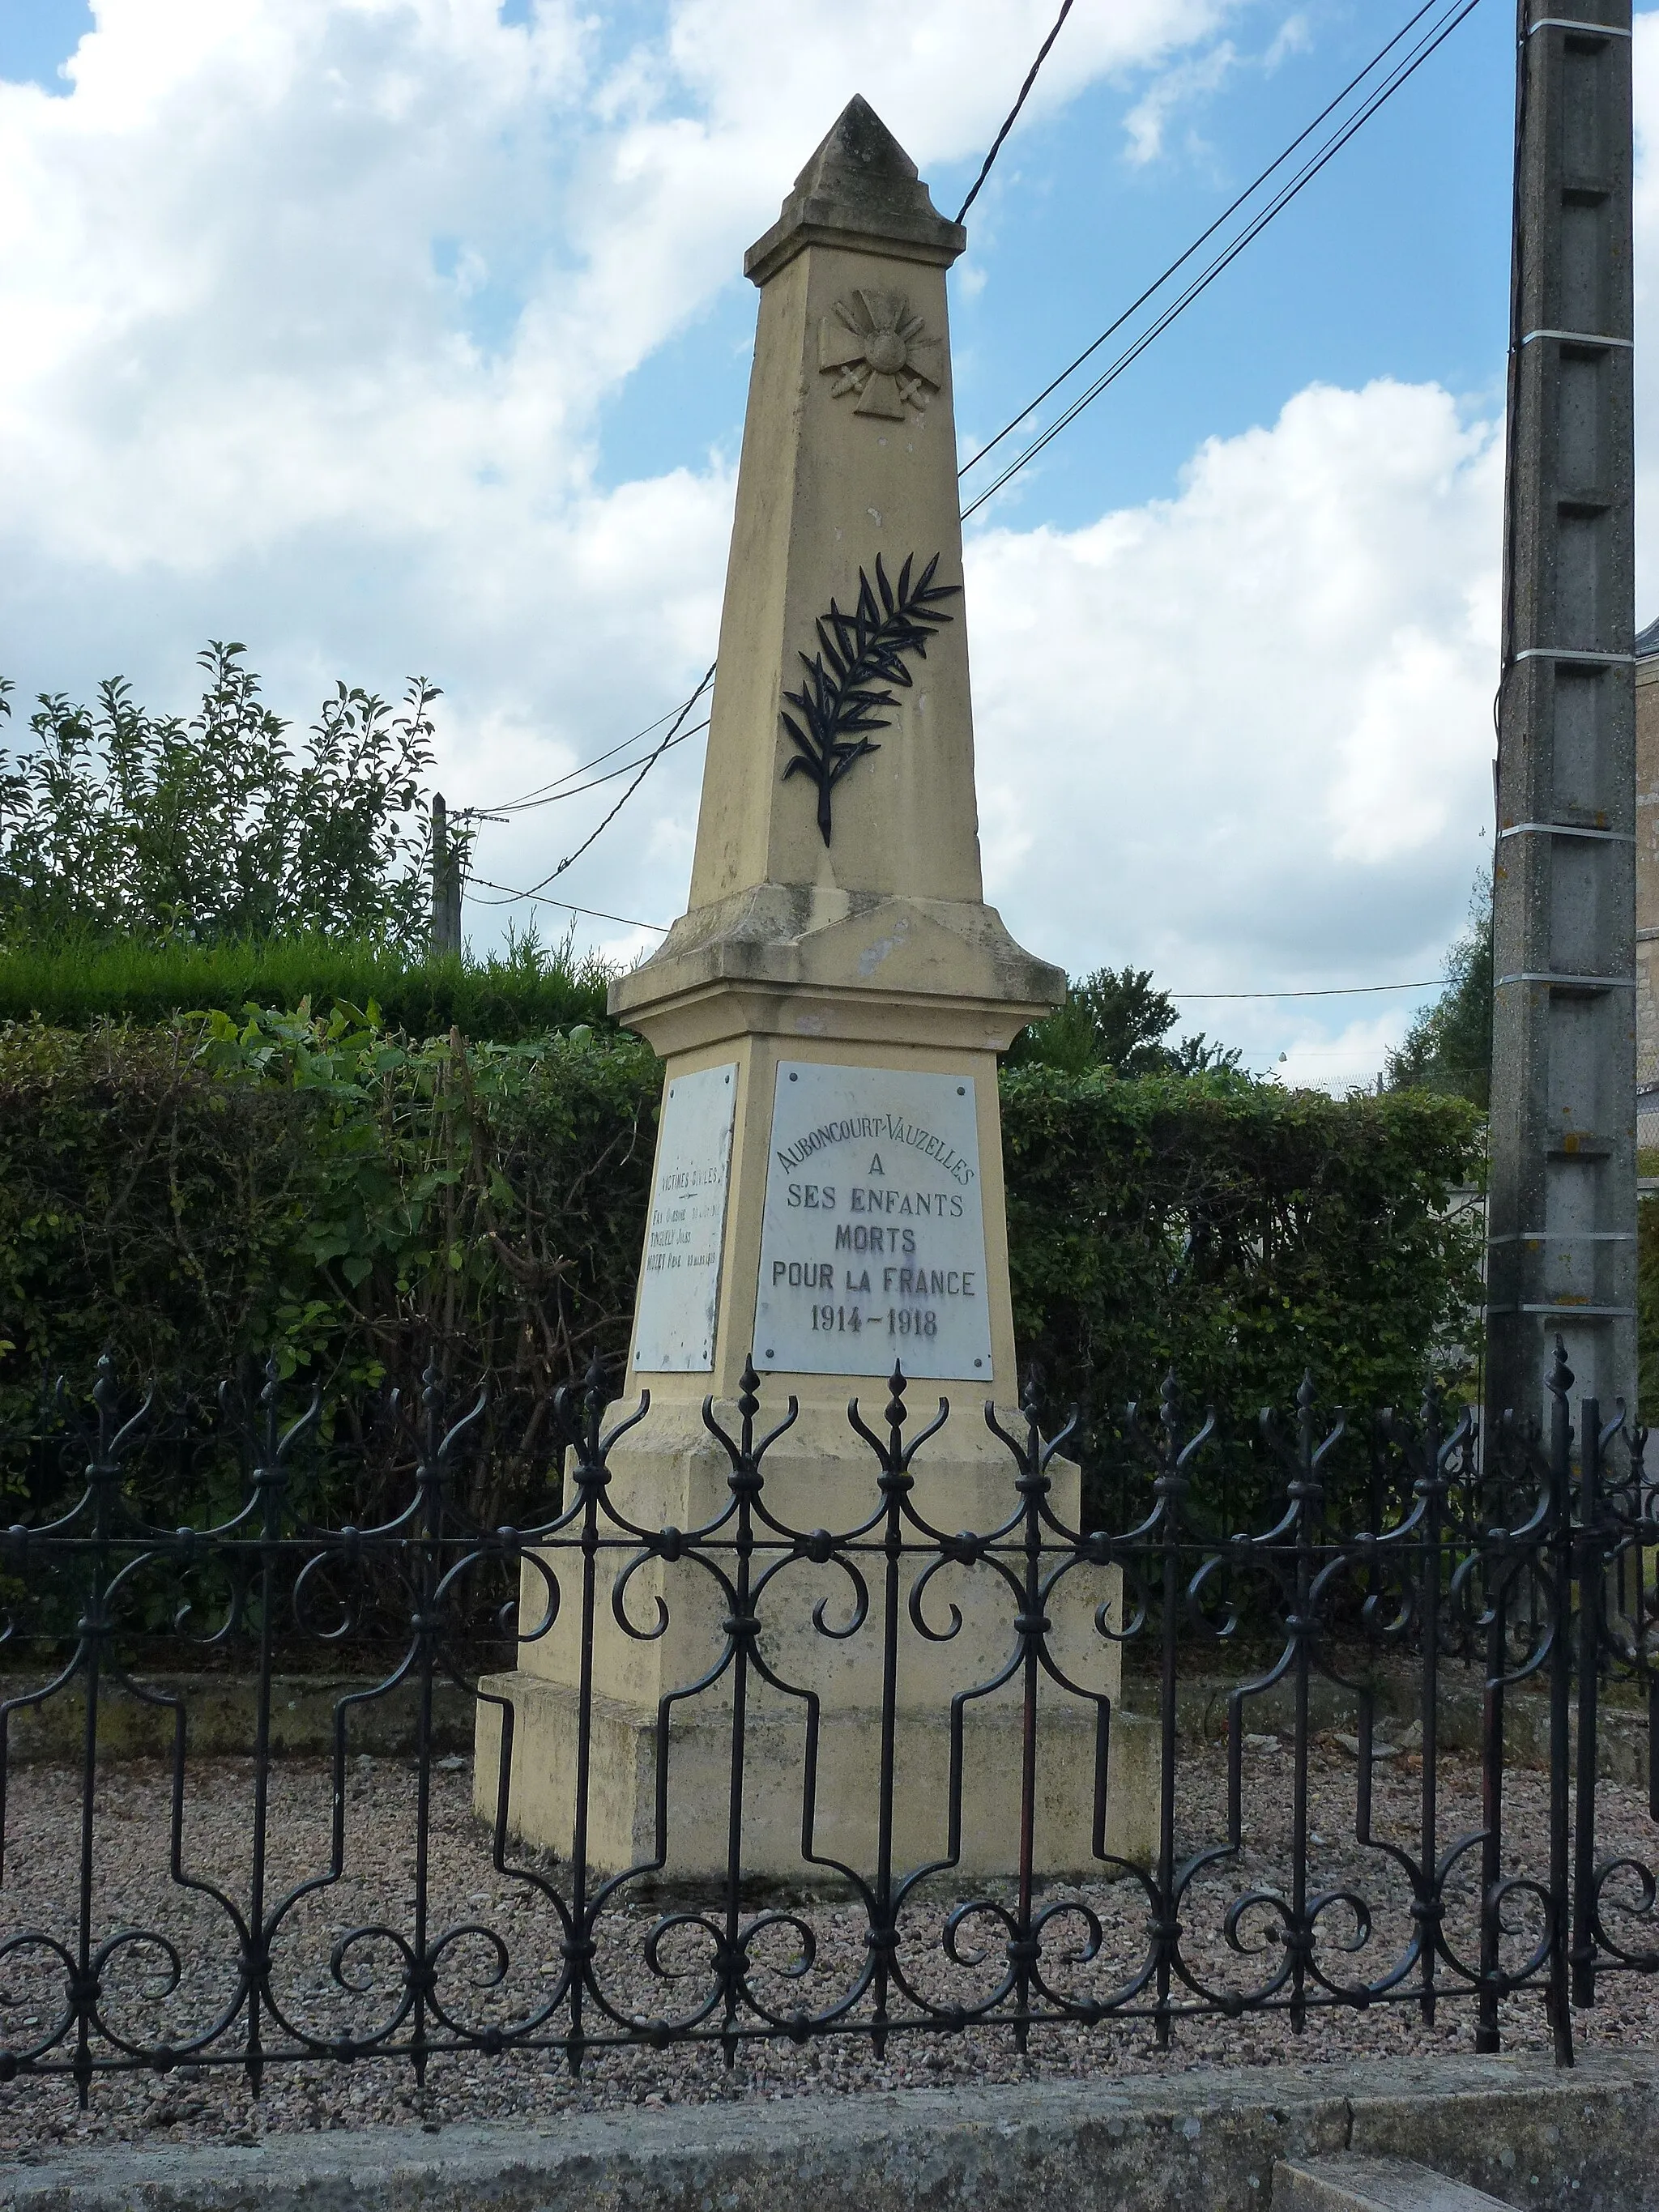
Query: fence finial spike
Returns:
{"type": "Point", "coordinates": [895, 1386]}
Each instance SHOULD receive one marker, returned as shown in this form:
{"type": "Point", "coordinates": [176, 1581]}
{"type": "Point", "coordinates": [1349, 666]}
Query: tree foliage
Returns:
{"type": "Point", "coordinates": [1115, 1018]}
{"type": "Point", "coordinates": [1448, 1046]}
{"type": "Point", "coordinates": [116, 823]}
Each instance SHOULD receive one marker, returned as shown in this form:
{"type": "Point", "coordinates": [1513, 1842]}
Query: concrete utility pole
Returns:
{"type": "Point", "coordinates": [446, 882]}
{"type": "Point", "coordinates": [1563, 1190]}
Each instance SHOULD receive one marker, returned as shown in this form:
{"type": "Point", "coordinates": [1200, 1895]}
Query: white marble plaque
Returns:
{"type": "Point", "coordinates": [872, 1248]}
{"type": "Point", "coordinates": [680, 1280]}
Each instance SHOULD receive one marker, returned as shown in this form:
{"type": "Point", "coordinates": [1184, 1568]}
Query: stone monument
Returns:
{"type": "Point", "coordinates": [827, 1193]}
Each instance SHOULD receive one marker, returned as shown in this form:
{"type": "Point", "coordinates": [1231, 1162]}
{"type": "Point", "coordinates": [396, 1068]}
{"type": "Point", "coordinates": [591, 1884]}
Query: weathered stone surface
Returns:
{"type": "Point", "coordinates": [1203, 2141]}
{"type": "Point", "coordinates": [859, 187]}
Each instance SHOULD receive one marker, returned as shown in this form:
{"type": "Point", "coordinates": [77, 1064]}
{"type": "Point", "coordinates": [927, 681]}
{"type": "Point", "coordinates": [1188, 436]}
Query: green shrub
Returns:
{"type": "Point", "coordinates": [1241, 1235]}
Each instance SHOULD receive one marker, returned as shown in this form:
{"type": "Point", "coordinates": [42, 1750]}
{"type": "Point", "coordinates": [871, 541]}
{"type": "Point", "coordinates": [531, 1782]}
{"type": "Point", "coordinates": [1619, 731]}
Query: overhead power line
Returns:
{"type": "Point", "coordinates": [644, 769]}
{"type": "Point", "coordinates": [575, 790]}
{"type": "Point", "coordinates": [1203, 238]}
{"type": "Point", "coordinates": [1324, 991]}
{"type": "Point", "coordinates": [564, 787]}
{"type": "Point", "coordinates": [1012, 116]}
{"type": "Point", "coordinates": [1375, 99]}
{"type": "Point", "coordinates": [541, 793]}
{"type": "Point", "coordinates": [565, 906]}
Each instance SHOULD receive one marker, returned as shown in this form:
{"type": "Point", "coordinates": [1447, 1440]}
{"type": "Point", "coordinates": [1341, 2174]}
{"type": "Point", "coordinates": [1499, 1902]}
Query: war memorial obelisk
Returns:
{"type": "Point", "coordinates": [828, 1190]}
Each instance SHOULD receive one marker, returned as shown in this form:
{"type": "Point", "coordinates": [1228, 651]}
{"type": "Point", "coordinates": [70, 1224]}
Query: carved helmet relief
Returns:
{"type": "Point", "coordinates": [873, 345]}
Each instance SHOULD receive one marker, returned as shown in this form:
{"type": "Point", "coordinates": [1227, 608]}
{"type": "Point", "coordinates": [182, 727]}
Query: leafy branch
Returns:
{"type": "Point", "coordinates": [121, 827]}
{"type": "Point", "coordinates": [840, 702]}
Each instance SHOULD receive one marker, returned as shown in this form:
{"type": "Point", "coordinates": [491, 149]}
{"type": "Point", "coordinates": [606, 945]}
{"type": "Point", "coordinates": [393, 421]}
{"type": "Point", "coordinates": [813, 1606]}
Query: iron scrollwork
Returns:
{"type": "Point", "coordinates": [1378, 1558]}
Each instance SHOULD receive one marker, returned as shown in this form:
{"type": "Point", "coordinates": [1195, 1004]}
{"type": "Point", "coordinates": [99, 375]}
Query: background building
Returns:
{"type": "Point", "coordinates": [1647, 905]}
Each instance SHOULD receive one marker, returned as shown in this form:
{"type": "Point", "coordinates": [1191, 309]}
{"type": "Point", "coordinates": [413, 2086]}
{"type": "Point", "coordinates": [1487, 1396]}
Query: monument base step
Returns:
{"type": "Point", "coordinates": [1350, 2182]}
{"type": "Point", "coordinates": [623, 1785]}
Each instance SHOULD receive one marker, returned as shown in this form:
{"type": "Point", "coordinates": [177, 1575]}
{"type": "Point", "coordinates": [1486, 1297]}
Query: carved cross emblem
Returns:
{"type": "Point", "coordinates": [873, 345]}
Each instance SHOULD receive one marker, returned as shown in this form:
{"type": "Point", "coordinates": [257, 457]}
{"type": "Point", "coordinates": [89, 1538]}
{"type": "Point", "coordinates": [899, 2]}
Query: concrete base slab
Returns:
{"type": "Point", "coordinates": [1208, 2140]}
{"type": "Point", "coordinates": [1353, 2183]}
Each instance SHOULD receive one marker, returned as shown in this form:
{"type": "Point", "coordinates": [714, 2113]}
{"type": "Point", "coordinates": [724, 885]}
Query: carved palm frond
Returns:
{"type": "Point", "coordinates": [841, 700]}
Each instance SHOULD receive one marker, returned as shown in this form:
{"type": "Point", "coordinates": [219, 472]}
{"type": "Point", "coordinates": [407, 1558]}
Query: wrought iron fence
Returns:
{"type": "Point", "coordinates": [1393, 1562]}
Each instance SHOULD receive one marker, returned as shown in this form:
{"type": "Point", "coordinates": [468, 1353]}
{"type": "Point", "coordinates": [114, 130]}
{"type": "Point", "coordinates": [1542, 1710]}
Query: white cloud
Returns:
{"type": "Point", "coordinates": [1243, 736]}
{"type": "Point", "coordinates": [313, 308]}
{"type": "Point", "coordinates": [1293, 36]}
{"type": "Point", "coordinates": [1187, 83]}
{"type": "Point", "coordinates": [1178, 88]}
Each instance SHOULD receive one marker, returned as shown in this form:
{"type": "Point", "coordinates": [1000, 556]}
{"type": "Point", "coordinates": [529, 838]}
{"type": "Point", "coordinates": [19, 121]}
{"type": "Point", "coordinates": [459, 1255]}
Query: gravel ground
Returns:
{"type": "Point", "coordinates": [134, 1888]}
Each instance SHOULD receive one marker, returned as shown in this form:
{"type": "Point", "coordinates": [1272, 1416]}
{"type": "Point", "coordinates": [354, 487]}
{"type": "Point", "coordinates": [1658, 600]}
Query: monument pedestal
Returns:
{"type": "Point", "coordinates": [671, 1472]}
{"type": "Point", "coordinates": [622, 1813]}
{"type": "Point", "coordinates": [828, 1197]}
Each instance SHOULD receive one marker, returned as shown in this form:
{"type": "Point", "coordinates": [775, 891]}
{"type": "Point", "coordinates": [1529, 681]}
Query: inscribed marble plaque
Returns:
{"type": "Point", "coordinates": [872, 1245]}
{"type": "Point", "coordinates": [680, 1280]}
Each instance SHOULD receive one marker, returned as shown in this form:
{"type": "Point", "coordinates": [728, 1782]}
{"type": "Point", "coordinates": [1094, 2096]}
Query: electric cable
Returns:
{"type": "Point", "coordinates": [1324, 991]}
{"type": "Point", "coordinates": [562, 787]}
{"type": "Point", "coordinates": [1012, 116]}
{"type": "Point", "coordinates": [539, 793]}
{"type": "Point", "coordinates": [565, 906]}
{"type": "Point", "coordinates": [1203, 238]}
{"type": "Point", "coordinates": [646, 767]}
{"type": "Point", "coordinates": [528, 806]}
{"type": "Point", "coordinates": [1333, 146]}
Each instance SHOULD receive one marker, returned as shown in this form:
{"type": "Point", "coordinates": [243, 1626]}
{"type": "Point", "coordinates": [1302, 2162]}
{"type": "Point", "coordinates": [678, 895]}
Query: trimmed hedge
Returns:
{"type": "Point", "coordinates": [199, 1194]}
{"type": "Point", "coordinates": [199, 1198]}
{"type": "Point", "coordinates": [525, 995]}
{"type": "Point", "coordinates": [1240, 1235]}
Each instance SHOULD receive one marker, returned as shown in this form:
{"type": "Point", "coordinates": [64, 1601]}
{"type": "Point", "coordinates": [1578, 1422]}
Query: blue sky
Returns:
{"type": "Point", "coordinates": [387, 333]}
{"type": "Point", "coordinates": [1393, 263]}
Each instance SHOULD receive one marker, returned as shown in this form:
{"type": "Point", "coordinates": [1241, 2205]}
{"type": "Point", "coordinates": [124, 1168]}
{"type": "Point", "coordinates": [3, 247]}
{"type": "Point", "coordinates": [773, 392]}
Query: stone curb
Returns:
{"type": "Point", "coordinates": [222, 1710]}
{"type": "Point", "coordinates": [221, 1717]}
{"type": "Point", "coordinates": [1201, 2142]}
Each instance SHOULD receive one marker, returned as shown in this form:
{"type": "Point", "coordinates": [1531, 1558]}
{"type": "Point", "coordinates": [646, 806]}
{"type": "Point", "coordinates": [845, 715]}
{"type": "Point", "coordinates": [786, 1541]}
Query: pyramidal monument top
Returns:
{"type": "Point", "coordinates": [860, 184]}
{"type": "Point", "coordinates": [836, 883]}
